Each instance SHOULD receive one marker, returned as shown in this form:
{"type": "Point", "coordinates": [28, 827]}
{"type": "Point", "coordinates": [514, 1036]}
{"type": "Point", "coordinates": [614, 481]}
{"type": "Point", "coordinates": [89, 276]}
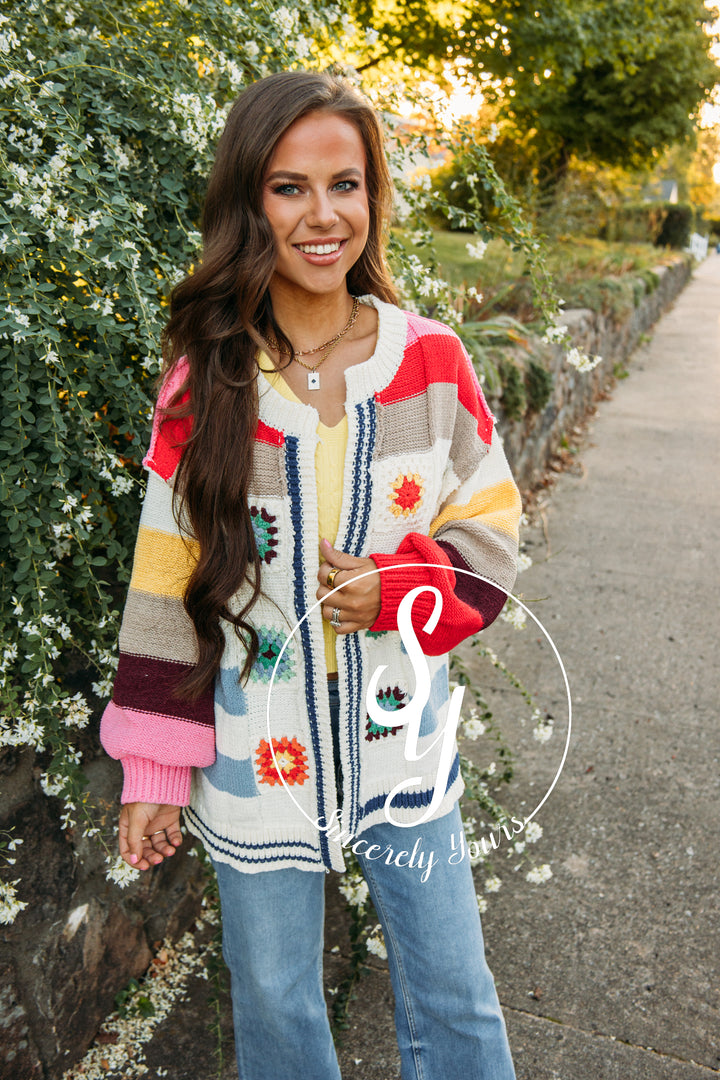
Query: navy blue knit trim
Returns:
{"type": "Point", "coordinates": [410, 800]}
{"type": "Point", "coordinates": [354, 542]}
{"type": "Point", "coordinates": [233, 847]}
{"type": "Point", "coordinates": [359, 516]}
{"type": "Point", "coordinates": [353, 656]}
{"type": "Point", "coordinates": [292, 471]}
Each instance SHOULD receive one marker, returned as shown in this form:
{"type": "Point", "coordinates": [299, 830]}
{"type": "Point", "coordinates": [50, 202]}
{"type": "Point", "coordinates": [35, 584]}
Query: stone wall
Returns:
{"type": "Point", "coordinates": [81, 939]}
{"type": "Point", "coordinates": [530, 443]}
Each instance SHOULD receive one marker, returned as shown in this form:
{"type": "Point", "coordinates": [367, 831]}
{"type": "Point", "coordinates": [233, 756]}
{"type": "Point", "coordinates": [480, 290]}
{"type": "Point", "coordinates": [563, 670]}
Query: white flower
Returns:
{"type": "Point", "coordinates": [371, 36]}
{"type": "Point", "coordinates": [491, 769]}
{"type": "Point", "coordinates": [376, 944]}
{"type": "Point", "coordinates": [251, 49]}
{"type": "Point", "coordinates": [103, 688]}
{"type": "Point", "coordinates": [473, 728]}
{"type": "Point", "coordinates": [542, 732]}
{"type": "Point", "coordinates": [477, 249]}
{"type": "Point", "coordinates": [519, 846]}
{"type": "Point", "coordinates": [355, 891]}
{"type": "Point", "coordinates": [52, 785]}
{"type": "Point", "coordinates": [10, 906]}
{"type": "Point", "coordinates": [481, 903]}
{"type": "Point", "coordinates": [515, 615]}
{"type": "Point", "coordinates": [285, 19]}
{"type": "Point", "coordinates": [524, 562]}
{"type": "Point", "coordinates": [533, 832]}
{"type": "Point", "coordinates": [119, 871]}
{"type": "Point", "coordinates": [539, 874]}
{"type": "Point", "coordinates": [77, 711]}
{"type": "Point", "coordinates": [580, 360]}
{"type": "Point", "coordinates": [492, 884]}
{"type": "Point", "coordinates": [493, 133]}
{"type": "Point", "coordinates": [554, 334]}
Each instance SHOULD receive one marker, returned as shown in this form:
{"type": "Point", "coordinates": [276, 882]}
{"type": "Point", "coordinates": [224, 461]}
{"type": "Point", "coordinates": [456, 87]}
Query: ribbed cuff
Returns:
{"type": "Point", "coordinates": [395, 586]}
{"type": "Point", "coordinates": [148, 781]}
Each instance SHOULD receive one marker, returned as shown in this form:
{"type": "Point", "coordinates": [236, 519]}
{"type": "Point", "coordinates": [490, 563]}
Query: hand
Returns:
{"type": "Point", "coordinates": [149, 833]}
{"type": "Point", "coordinates": [358, 601]}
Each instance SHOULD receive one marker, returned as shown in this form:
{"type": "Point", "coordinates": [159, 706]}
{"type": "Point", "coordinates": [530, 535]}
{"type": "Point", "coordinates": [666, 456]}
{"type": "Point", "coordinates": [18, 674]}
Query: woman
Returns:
{"type": "Point", "coordinates": [301, 405]}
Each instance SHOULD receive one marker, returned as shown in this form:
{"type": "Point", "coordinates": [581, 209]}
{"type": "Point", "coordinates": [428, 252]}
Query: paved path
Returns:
{"type": "Point", "coordinates": [609, 971]}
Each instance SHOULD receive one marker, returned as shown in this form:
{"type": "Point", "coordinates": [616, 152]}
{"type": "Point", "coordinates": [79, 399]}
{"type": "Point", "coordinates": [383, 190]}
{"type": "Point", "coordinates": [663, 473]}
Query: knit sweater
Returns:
{"type": "Point", "coordinates": [426, 485]}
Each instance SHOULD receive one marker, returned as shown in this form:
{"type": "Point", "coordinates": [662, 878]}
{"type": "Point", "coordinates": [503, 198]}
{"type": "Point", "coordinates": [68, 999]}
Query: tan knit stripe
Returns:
{"type": "Point", "coordinates": [468, 449]}
{"type": "Point", "coordinates": [163, 563]}
{"type": "Point", "coordinates": [268, 479]}
{"type": "Point", "coordinates": [415, 424]}
{"type": "Point", "coordinates": [498, 506]}
{"type": "Point", "coordinates": [157, 626]}
{"type": "Point", "coordinates": [492, 554]}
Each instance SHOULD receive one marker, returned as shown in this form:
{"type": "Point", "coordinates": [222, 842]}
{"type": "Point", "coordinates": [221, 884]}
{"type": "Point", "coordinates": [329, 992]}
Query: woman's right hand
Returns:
{"type": "Point", "coordinates": [149, 833]}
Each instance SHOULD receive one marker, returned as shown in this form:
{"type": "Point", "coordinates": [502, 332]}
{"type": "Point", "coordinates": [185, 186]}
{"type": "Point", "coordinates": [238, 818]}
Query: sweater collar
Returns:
{"type": "Point", "coordinates": [362, 381]}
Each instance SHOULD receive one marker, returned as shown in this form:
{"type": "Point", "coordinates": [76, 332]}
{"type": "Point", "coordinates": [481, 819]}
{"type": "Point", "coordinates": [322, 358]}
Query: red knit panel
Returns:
{"type": "Point", "coordinates": [458, 620]}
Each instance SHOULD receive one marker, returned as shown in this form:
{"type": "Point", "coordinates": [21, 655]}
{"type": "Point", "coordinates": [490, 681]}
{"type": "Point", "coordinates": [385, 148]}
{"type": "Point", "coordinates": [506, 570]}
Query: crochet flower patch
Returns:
{"type": "Point", "coordinates": [291, 759]}
{"type": "Point", "coordinates": [270, 647]}
{"type": "Point", "coordinates": [407, 494]}
{"type": "Point", "coordinates": [390, 699]}
{"type": "Point", "coordinates": [265, 533]}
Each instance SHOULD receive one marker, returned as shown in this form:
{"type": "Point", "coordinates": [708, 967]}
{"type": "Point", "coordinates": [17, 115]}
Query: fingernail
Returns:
{"type": "Point", "coordinates": [133, 859]}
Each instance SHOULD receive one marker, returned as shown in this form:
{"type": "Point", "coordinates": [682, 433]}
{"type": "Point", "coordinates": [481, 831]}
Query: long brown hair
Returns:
{"type": "Point", "coordinates": [217, 317]}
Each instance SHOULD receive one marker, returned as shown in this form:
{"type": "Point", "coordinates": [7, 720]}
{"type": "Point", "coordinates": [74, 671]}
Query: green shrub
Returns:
{"type": "Point", "coordinates": [677, 226]}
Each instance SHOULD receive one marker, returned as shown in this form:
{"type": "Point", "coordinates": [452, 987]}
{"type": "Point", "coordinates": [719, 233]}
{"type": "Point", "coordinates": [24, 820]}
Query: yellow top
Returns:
{"type": "Point", "coordinates": [329, 467]}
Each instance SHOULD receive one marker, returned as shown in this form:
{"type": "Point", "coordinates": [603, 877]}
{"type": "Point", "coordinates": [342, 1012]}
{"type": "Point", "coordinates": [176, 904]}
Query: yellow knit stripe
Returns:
{"type": "Point", "coordinates": [499, 506]}
{"type": "Point", "coordinates": [163, 563]}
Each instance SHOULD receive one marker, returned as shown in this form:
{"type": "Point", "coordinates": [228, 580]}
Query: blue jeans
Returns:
{"type": "Point", "coordinates": [447, 1016]}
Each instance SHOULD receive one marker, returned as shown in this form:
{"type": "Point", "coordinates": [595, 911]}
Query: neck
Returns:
{"type": "Point", "coordinates": [308, 319]}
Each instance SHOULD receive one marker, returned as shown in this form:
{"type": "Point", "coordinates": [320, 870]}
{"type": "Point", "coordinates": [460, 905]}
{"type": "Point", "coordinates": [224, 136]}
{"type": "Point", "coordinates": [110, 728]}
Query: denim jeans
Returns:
{"type": "Point", "coordinates": [447, 1016]}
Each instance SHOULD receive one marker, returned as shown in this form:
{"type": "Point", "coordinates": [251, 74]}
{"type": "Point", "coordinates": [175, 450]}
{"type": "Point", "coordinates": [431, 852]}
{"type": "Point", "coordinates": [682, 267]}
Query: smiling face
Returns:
{"type": "Point", "coordinates": [315, 198]}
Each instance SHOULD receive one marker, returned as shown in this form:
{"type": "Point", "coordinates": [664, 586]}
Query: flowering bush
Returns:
{"type": "Point", "coordinates": [109, 119]}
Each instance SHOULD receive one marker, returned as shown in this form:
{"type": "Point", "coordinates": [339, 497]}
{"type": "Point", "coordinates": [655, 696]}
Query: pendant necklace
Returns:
{"type": "Point", "coordinates": [313, 377]}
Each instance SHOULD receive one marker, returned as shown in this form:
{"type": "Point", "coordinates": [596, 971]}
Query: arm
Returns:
{"type": "Point", "coordinates": [475, 529]}
{"type": "Point", "coordinates": [156, 734]}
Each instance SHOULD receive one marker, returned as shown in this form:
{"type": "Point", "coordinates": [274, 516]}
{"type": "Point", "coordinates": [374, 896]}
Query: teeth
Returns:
{"type": "Point", "coordinates": [319, 249]}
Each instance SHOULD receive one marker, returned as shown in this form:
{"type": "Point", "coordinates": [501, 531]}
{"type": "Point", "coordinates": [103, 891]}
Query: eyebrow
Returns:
{"type": "Point", "coordinates": [301, 176]}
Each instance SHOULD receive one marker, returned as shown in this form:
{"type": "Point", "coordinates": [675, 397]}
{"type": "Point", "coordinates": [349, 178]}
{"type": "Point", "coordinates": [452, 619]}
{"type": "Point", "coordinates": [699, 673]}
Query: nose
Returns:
{"type": "Point", "coordinates": [321, 213]}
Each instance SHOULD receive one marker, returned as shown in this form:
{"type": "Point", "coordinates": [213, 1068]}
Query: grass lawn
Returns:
{"type": "Point", "coordinates": [587, 272]}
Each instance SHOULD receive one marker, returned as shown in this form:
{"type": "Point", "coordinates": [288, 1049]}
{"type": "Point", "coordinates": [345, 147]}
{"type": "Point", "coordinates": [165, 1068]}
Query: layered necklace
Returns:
{"type": "Point", "coordinates": [327, 347]}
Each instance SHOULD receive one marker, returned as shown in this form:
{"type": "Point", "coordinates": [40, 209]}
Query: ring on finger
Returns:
{"type": "Point", "coordinates": [153, 834]}
{"type": "Point", "coordinates": [332, 575]}
{"type": "Point", "coordinates": [335, 619]}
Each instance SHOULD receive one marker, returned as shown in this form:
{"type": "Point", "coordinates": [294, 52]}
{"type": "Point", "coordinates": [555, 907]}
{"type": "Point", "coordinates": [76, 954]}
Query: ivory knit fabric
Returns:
{"type": "Point", "coordinates": [426, 488]}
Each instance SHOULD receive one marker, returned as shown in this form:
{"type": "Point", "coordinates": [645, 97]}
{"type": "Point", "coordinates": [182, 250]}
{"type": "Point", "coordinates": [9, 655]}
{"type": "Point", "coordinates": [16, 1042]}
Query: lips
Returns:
{"type": "Point", "coordinates": [322, 252]}
{"type": "Point", "coordinates": [320, 249]}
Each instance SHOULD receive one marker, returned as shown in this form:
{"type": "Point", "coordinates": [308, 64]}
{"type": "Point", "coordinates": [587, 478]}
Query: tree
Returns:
{"type": "Point", "coordinates": [615, 81]}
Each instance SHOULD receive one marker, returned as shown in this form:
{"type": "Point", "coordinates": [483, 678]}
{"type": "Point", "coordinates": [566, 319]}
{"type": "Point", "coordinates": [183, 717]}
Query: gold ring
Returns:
{"type": "Point", "coordinates": [332, 575]}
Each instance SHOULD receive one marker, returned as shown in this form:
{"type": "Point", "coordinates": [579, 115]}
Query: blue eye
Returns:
{"type": "Point", "coordinates": [347, 185]}
{"type": "Point", "coordinates": [285, 189]}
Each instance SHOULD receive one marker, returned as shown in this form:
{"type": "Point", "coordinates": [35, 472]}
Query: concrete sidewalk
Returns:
{"type": "Point", "coordinates": [609, 971]}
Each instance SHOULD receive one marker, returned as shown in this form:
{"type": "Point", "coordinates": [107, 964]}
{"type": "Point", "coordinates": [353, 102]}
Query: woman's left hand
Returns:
{"type": "Point", "coordinates": [358, 601]}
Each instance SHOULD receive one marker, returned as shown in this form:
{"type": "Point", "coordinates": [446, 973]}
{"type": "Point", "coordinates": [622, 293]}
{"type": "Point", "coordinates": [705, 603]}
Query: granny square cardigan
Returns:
{"type": "Point", "coordinates": [427, 489]}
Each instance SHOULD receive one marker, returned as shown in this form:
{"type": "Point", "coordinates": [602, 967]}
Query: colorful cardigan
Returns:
{"type": "Point", "coordinates": [426, 482]}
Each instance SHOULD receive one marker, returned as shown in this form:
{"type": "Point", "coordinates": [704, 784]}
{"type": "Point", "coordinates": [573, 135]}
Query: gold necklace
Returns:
{"type": "Point", "coordinates": [313, 378]}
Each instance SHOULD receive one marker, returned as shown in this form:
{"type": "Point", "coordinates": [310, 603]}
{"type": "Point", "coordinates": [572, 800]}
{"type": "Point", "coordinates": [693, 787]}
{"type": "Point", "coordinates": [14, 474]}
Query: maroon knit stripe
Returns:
{"type": "Point", "coordinates": [148, 685]}
{"type": "Point", "coordinates": [485, 598]}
